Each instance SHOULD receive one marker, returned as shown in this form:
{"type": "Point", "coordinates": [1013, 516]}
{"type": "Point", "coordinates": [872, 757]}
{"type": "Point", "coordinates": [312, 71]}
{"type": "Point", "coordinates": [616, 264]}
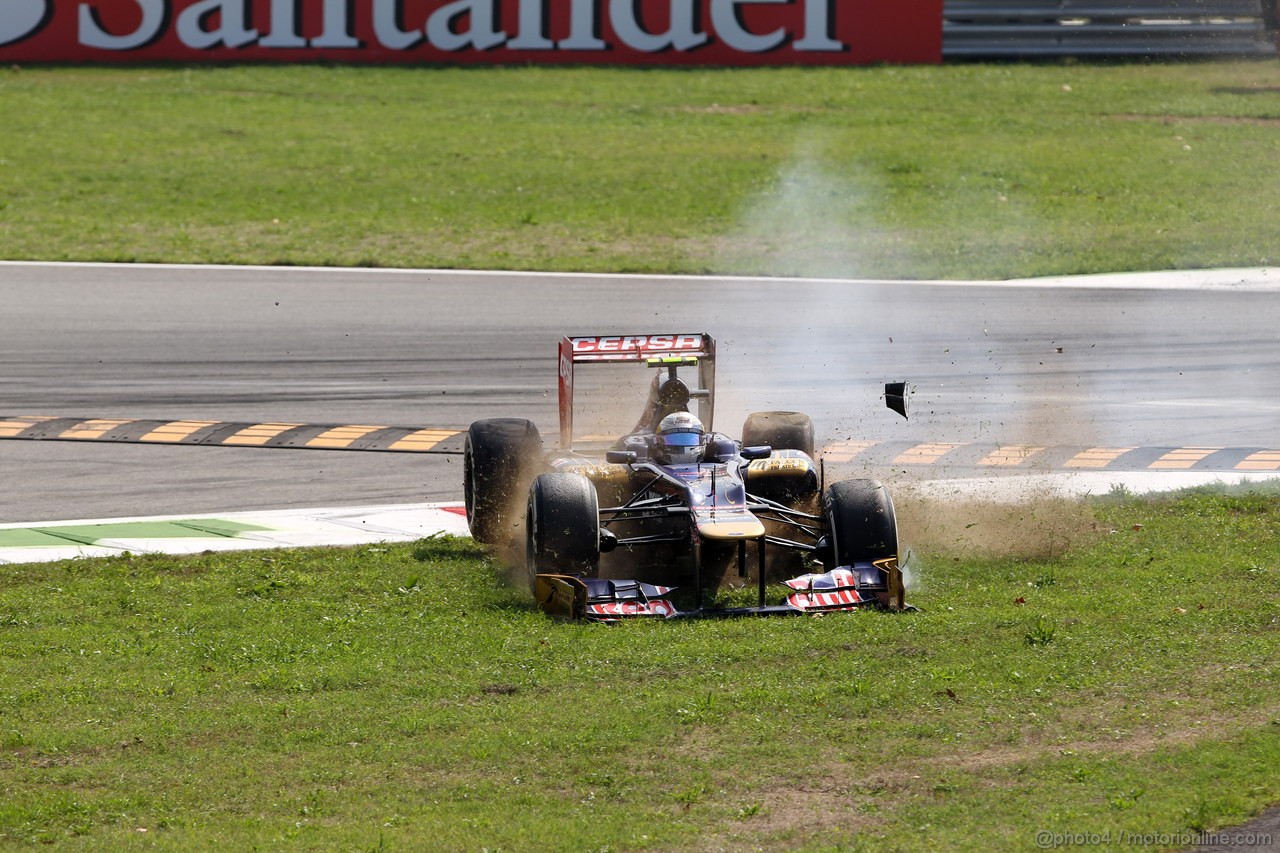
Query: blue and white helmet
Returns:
{"type": "Point", "coordinates": [681, 439]}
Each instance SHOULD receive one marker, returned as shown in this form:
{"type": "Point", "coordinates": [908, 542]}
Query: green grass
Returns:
{"type": "Point", "coordinates": [406, 697]}
{"type": "Point", "coordinates": [954, 171]}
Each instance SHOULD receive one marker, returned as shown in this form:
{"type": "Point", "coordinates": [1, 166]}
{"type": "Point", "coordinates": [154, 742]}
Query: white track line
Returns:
{"type": "Point", "coordinates": [1022, 488]}
{"type": "Point", "coordinates": [1244, 280]}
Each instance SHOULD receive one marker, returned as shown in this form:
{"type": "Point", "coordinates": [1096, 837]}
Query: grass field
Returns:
{"type": "Point", "coordinates": [405, 697]}
{"type": "Point", "coordinates": [958, 171]}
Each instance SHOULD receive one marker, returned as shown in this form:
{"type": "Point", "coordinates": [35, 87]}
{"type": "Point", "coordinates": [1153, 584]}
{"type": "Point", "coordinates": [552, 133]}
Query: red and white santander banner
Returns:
{"type": "Point", "coordinates": [621, 32]}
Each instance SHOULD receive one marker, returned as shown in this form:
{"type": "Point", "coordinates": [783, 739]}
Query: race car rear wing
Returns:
{"type": "Point", "coordinates": [652, 349]}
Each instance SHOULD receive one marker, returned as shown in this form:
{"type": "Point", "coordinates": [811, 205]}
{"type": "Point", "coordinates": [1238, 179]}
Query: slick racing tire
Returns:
{"type": "Point", "coordinates": [779, 430]}
{"type": "Point", "coordinates": [498, 459]}
{"type": "Point", "coordinates": [861, 523]}
{"type": "Point", "coordinates": [562, 527]}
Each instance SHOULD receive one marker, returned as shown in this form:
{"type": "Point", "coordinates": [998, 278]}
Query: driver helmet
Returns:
{"type": "Point", "coordinates": [681, 439]}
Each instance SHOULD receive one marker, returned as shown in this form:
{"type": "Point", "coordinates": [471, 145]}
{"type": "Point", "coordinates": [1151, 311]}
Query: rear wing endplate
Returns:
{"type": "Point", "coordinates": [586, 349]}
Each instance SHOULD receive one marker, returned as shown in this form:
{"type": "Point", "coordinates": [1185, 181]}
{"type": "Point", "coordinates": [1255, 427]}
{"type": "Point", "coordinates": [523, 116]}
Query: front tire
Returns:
{"type": "Point", "coordinates": [562, 526]}
{"type": "Point", "coordinates": [499, 457]}
{"type": "Point", "coordinates": [861, 522]}
{"type": "Point", "coordinates": [862, 528]}
{"type": "Point", "coordinates": [779, 430]}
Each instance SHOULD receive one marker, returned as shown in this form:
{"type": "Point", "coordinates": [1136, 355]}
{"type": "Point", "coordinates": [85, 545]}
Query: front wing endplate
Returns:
{"type": "Point", "coordinates": [598, 600]}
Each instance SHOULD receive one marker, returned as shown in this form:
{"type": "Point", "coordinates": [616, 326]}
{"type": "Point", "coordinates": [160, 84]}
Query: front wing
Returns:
{"type": "Point", "coordinates": [599, 600]}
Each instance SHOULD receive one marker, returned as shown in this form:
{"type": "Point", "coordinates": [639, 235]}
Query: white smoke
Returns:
{"type": "Point", "coordinates": [814, 221]}
{"type": "Point", "coordinates": [827, 347]}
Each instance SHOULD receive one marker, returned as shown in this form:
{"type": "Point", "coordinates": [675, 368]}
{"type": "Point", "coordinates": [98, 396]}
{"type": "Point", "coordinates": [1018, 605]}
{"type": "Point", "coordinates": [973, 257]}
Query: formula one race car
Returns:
{"type": "Point", "coordinates": [671, 499]}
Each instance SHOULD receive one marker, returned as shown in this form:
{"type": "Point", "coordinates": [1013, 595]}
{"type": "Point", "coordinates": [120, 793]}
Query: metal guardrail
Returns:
{"type": "Point", "coordinates": [1011, 29]}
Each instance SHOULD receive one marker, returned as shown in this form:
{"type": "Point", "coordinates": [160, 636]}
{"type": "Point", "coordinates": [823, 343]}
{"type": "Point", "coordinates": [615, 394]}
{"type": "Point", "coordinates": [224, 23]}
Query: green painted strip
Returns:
{"type": "Point", "coordinates": [219, 527]}
{"type": "Point", "coordinates": [26, 537]}
{"type": "Point", "coordinates": [89, 534]}
{"type": "Point", "coordinates": [68, 534]}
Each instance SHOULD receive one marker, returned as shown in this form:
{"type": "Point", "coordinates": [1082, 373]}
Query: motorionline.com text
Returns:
{"type": "Point", "coordinates": [1047, 840]}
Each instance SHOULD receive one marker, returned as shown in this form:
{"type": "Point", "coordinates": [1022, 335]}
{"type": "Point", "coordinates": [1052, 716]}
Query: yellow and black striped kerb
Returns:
{"type": "Point", "coordinates": [446, 440]}
{"type": "Point", "coordinates": [1044, 458]}
{"type": "Point", "coordinates": [225, 434]}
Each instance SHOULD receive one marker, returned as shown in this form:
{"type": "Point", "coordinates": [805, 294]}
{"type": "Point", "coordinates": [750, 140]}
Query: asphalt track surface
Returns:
{"type": "Point", "coordinates": [1161, 360]}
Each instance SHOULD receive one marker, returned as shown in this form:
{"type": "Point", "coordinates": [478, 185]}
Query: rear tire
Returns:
{"type": "Point", "coordinates": [562, 527]}
{"type": "Point", "coordinates": [499, 457]}
{"type": "Point", "coordinates": [779, 430]}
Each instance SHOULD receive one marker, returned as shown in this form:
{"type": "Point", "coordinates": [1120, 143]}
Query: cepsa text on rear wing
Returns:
{"type": "Point", "coordinates": [586, 349]}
